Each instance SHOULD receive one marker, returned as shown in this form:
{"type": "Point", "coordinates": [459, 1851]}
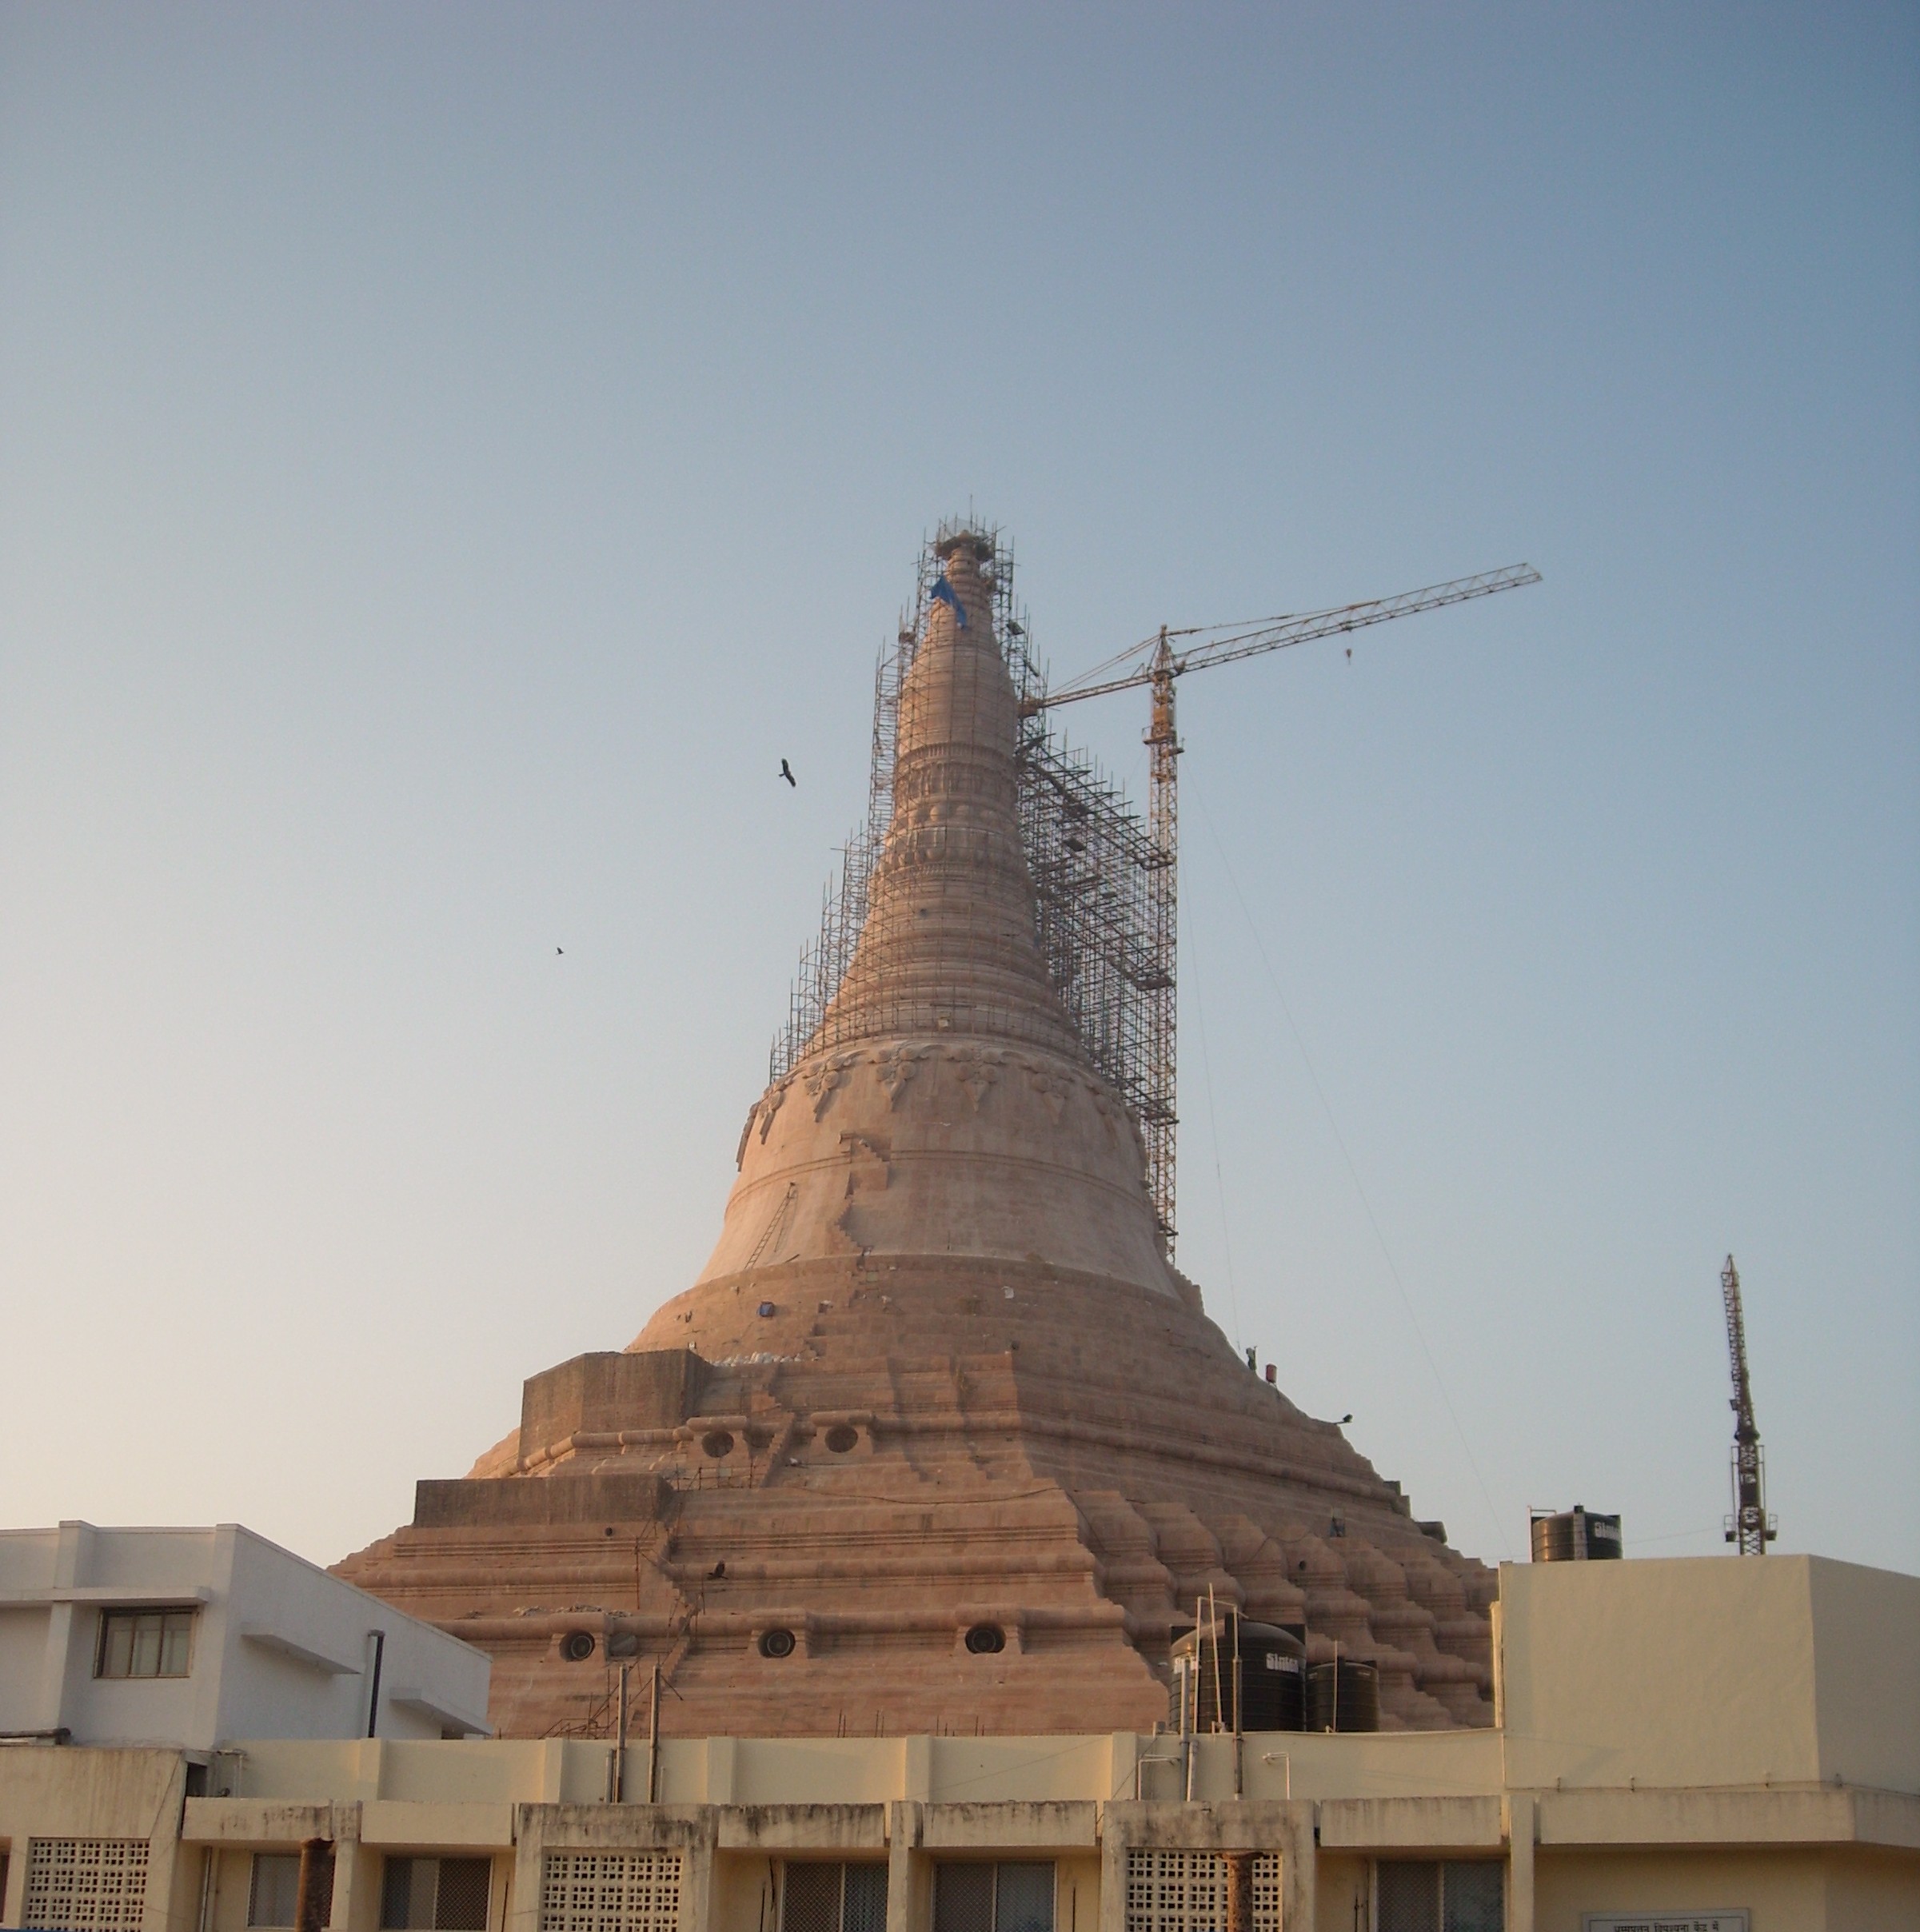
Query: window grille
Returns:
{"type": "Point", "coordinates": [833, 1897]}
{"type": "Point", "coordinates": [1014, 1896]}
{"type": "Point", "coordinates": [85, 1885]}
{"type": "Point", "coordinates": [610, 1891]}
{"type": "Point", "coordinates": [435, 1894]}
{"type": "Point", "coordinates": [145, 1643]}
{"type": "Point", "coordinates": [272, 1896]}
{"type": "Point", "coordinates": [1186, 1891]}
{"type": "Point", "coordinates": [863, 1903]}
{"type": "Point", "coordinates": [1425, 1895]}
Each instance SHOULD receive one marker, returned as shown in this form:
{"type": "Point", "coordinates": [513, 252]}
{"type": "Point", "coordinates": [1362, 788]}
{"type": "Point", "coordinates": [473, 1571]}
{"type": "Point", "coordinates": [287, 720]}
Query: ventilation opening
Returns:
{"type": "Point", "coordinates": [776, 1643]}
{"type": "Point", "coordinates": [986, 1639]}
{"type": "Point", "coordinates": [717, 1443]}
{"type": "Point", "coordinates": [610, 1891]}
{"type": "Point", "coordinates": [840, 1439]}
{"type": "Point", "coordinates": [577, 1646]}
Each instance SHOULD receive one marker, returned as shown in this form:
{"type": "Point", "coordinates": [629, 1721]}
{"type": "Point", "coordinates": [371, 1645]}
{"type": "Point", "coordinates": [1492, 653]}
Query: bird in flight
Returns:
{"type": "Point", "coordinates": [560, 949]}
{"type": "Point", "coordinates": [786, 771]}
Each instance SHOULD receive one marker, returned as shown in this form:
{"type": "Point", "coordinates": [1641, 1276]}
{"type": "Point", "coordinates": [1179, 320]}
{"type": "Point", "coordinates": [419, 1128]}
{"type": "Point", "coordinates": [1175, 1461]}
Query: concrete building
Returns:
{"type": "Point", "coordinates": [187, 1638]}
{"type": "Point", "coordinates": [1705, 1744]}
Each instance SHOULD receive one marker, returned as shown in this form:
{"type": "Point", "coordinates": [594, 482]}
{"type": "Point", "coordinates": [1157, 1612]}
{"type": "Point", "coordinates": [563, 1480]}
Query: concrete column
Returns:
{"type": "Point", "coordinates": [529, 1855]}
{"type": "Point", "coordinates": [1300, 1856]}
{"type": "Point", "coordinates": [356, 1875]}
{"type": "Point", "coordinates": [909, 1871]}
{"type": "Point", "coordinates": [695, 1870]}
{"type": "Point", "coordinates": [15, 1902]}
{"type": "Point", "coordinates": [1113, 1873]}
{"type": "Point", "coordinates": [1519, 1814]}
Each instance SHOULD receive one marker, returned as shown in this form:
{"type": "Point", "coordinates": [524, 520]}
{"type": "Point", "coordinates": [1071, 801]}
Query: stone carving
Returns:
{"type": "Point", "coordinates": [896, 1066]}
{"type": "Point", "coordinates": [976, 1070]}
{"type": "Point", "coordinates": [769, 1106]}
{"type": "Point", "coordinates": [825, 1078]}
{"type": "Point", "coordinates": [1051, 1089]}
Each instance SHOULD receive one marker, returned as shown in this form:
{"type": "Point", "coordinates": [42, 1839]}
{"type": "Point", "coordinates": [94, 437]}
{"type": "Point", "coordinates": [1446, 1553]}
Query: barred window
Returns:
{"type": "Point", "coordinates": [144, 1643]}
{"type": "Point", "coordinates": [1186, 1891]}
{"type": "Point", "coordinates": [1425, 1895]}
{"type": "Point", "coordinates": [435, 1894]}
{"type": "Point", "coordinates": [1014, 1896]}
{"type": "Point", "coordinates": [273, 1898]}
{"type": "Point", "coordinates": [832, 1897]}
{"type": "Point", "coordinates": [610, 1891]}
{"type": "Point", "coordinates": [85, 1885]}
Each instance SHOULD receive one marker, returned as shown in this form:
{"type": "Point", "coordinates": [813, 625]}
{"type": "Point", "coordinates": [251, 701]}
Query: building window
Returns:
{"type": "Point", "coordinates": [145, 1643]}
{"type": "Point", "coordinates": [1425, 1895]}
{"type": "Point", "coordinates": [435, 1894]}
{"type": "Point", "coordinates": [970, 1897]}
{"type": "Point", "coordinates": [833, 1898]}
{"type": "Point", "coordinates": [274, 1897]}
{"type": "Point", "coordinates": [85, 1885]}
{"type": "Point", "coordinates": [610, 1891]}
{"type": "Point", "coordinates": [1186, 1891]}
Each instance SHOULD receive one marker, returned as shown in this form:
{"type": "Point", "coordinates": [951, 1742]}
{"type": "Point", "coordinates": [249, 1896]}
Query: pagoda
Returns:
{"type": "Point", "coordinates": [940, 1440]}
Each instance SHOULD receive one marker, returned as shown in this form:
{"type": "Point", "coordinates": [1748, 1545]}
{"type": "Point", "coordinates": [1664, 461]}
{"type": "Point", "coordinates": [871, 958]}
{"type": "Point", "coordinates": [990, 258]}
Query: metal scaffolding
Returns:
{"type": "Point", "coordinates": [1101, 889]}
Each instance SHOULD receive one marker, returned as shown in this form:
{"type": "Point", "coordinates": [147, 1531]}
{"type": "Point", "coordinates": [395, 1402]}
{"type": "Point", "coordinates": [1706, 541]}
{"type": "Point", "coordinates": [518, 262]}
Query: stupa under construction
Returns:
{"type": "Point", "coordinates": [940, 1440]}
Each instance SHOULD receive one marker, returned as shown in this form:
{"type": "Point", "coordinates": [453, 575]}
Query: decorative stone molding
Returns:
{"type": "Point", "coordinates": [825, 1078]}
{"type": "Point", "coordinates": [976, 1070]}
{"type": "Point", "coordinates": [1052, 1090]}
{"type": "Point", "coordinates": [896, 1066]}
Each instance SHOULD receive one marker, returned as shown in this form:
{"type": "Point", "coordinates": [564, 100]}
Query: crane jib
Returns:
{"type": "Point", "coordinates": [1281, 633]}
{"type": "Point", "coordinates": [1227, 643]}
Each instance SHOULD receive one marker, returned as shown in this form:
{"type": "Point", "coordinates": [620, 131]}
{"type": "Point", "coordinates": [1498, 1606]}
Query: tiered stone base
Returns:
{"type": "Point", "coordinates": [876, 1460]}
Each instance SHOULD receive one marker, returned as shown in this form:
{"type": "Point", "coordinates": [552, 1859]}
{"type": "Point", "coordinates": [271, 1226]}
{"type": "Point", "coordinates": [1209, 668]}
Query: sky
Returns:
{"type": "Point", "coordinates": [449, 456]}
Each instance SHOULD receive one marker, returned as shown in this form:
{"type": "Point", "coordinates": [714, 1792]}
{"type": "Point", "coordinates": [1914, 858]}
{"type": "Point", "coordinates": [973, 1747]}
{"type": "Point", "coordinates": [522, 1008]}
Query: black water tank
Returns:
{"type": "Point", "coordinates": [1343, 1696]}
{"type": "Point", "coordinates": [1273, 1676]}
{"type": "Point", "coordinates": [1575, 1536]}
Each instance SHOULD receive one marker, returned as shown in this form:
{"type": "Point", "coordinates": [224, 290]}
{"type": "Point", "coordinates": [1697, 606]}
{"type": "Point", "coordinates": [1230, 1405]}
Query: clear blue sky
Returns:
{"type": "Point", "coordinates": [449, 456]}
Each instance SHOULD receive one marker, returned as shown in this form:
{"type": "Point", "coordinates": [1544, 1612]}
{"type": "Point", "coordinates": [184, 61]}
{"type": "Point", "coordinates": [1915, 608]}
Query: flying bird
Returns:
{"type": "Point", "coordinates": [786, 771]}
{"type": "Point", "coordinates": [560, 948]}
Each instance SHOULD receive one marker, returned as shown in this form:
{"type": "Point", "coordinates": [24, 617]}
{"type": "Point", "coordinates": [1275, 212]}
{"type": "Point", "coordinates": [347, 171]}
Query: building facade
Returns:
{"type": "Point", "coordinates": [190, 1637]}
{"type": "Point", "coordinates": [1645, 1770]}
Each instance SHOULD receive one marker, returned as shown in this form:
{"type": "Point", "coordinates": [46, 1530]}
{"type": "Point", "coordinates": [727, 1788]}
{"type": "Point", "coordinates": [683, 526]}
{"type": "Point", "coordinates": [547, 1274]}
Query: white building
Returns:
{"type": "Point", "coordinates": [191, 1637]}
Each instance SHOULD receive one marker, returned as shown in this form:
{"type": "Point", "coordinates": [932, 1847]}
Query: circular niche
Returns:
{"type": "Point", "coordinates": [776, 1643]}
{"type": "Point", "coordinates": [717, 1443]}
{"type": "Point", "coordinates": [840, 1439]}
{"type": "Point", "coordinates": [986, 1639]}
{"type": "Point", "coordinates": [577, 1646]}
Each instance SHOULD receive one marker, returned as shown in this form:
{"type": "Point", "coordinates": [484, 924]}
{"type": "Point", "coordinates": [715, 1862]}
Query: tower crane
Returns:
{"type": "Point", "coordinates": [1156, 664]}
{"type": "Point", "coordinates": [1749, 1528]}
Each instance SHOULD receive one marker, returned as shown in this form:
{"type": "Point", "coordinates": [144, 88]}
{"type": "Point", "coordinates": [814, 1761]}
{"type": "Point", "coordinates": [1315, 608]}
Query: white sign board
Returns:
{"type": "Point", "coordinates": [1664, 1921]}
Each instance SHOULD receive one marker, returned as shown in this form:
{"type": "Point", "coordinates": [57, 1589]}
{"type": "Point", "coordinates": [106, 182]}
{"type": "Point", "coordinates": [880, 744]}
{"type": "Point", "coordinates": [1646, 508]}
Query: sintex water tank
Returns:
{"type": "Point", "coordinates": [1577, 1535]}
{"type": "Point", "coordinates": [1343, 1696]}
{"type": "Point", "coordinates": [1240, 1675]}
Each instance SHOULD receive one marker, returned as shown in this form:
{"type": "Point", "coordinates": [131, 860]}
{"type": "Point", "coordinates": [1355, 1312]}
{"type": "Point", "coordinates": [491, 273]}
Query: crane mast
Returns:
{"type": "Point", "coordinates": [1163, 902]}
{"type": "Point", "coordinates": [1749, 1528]}
{"type": "Point", "coordinates": [1156, 664]}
